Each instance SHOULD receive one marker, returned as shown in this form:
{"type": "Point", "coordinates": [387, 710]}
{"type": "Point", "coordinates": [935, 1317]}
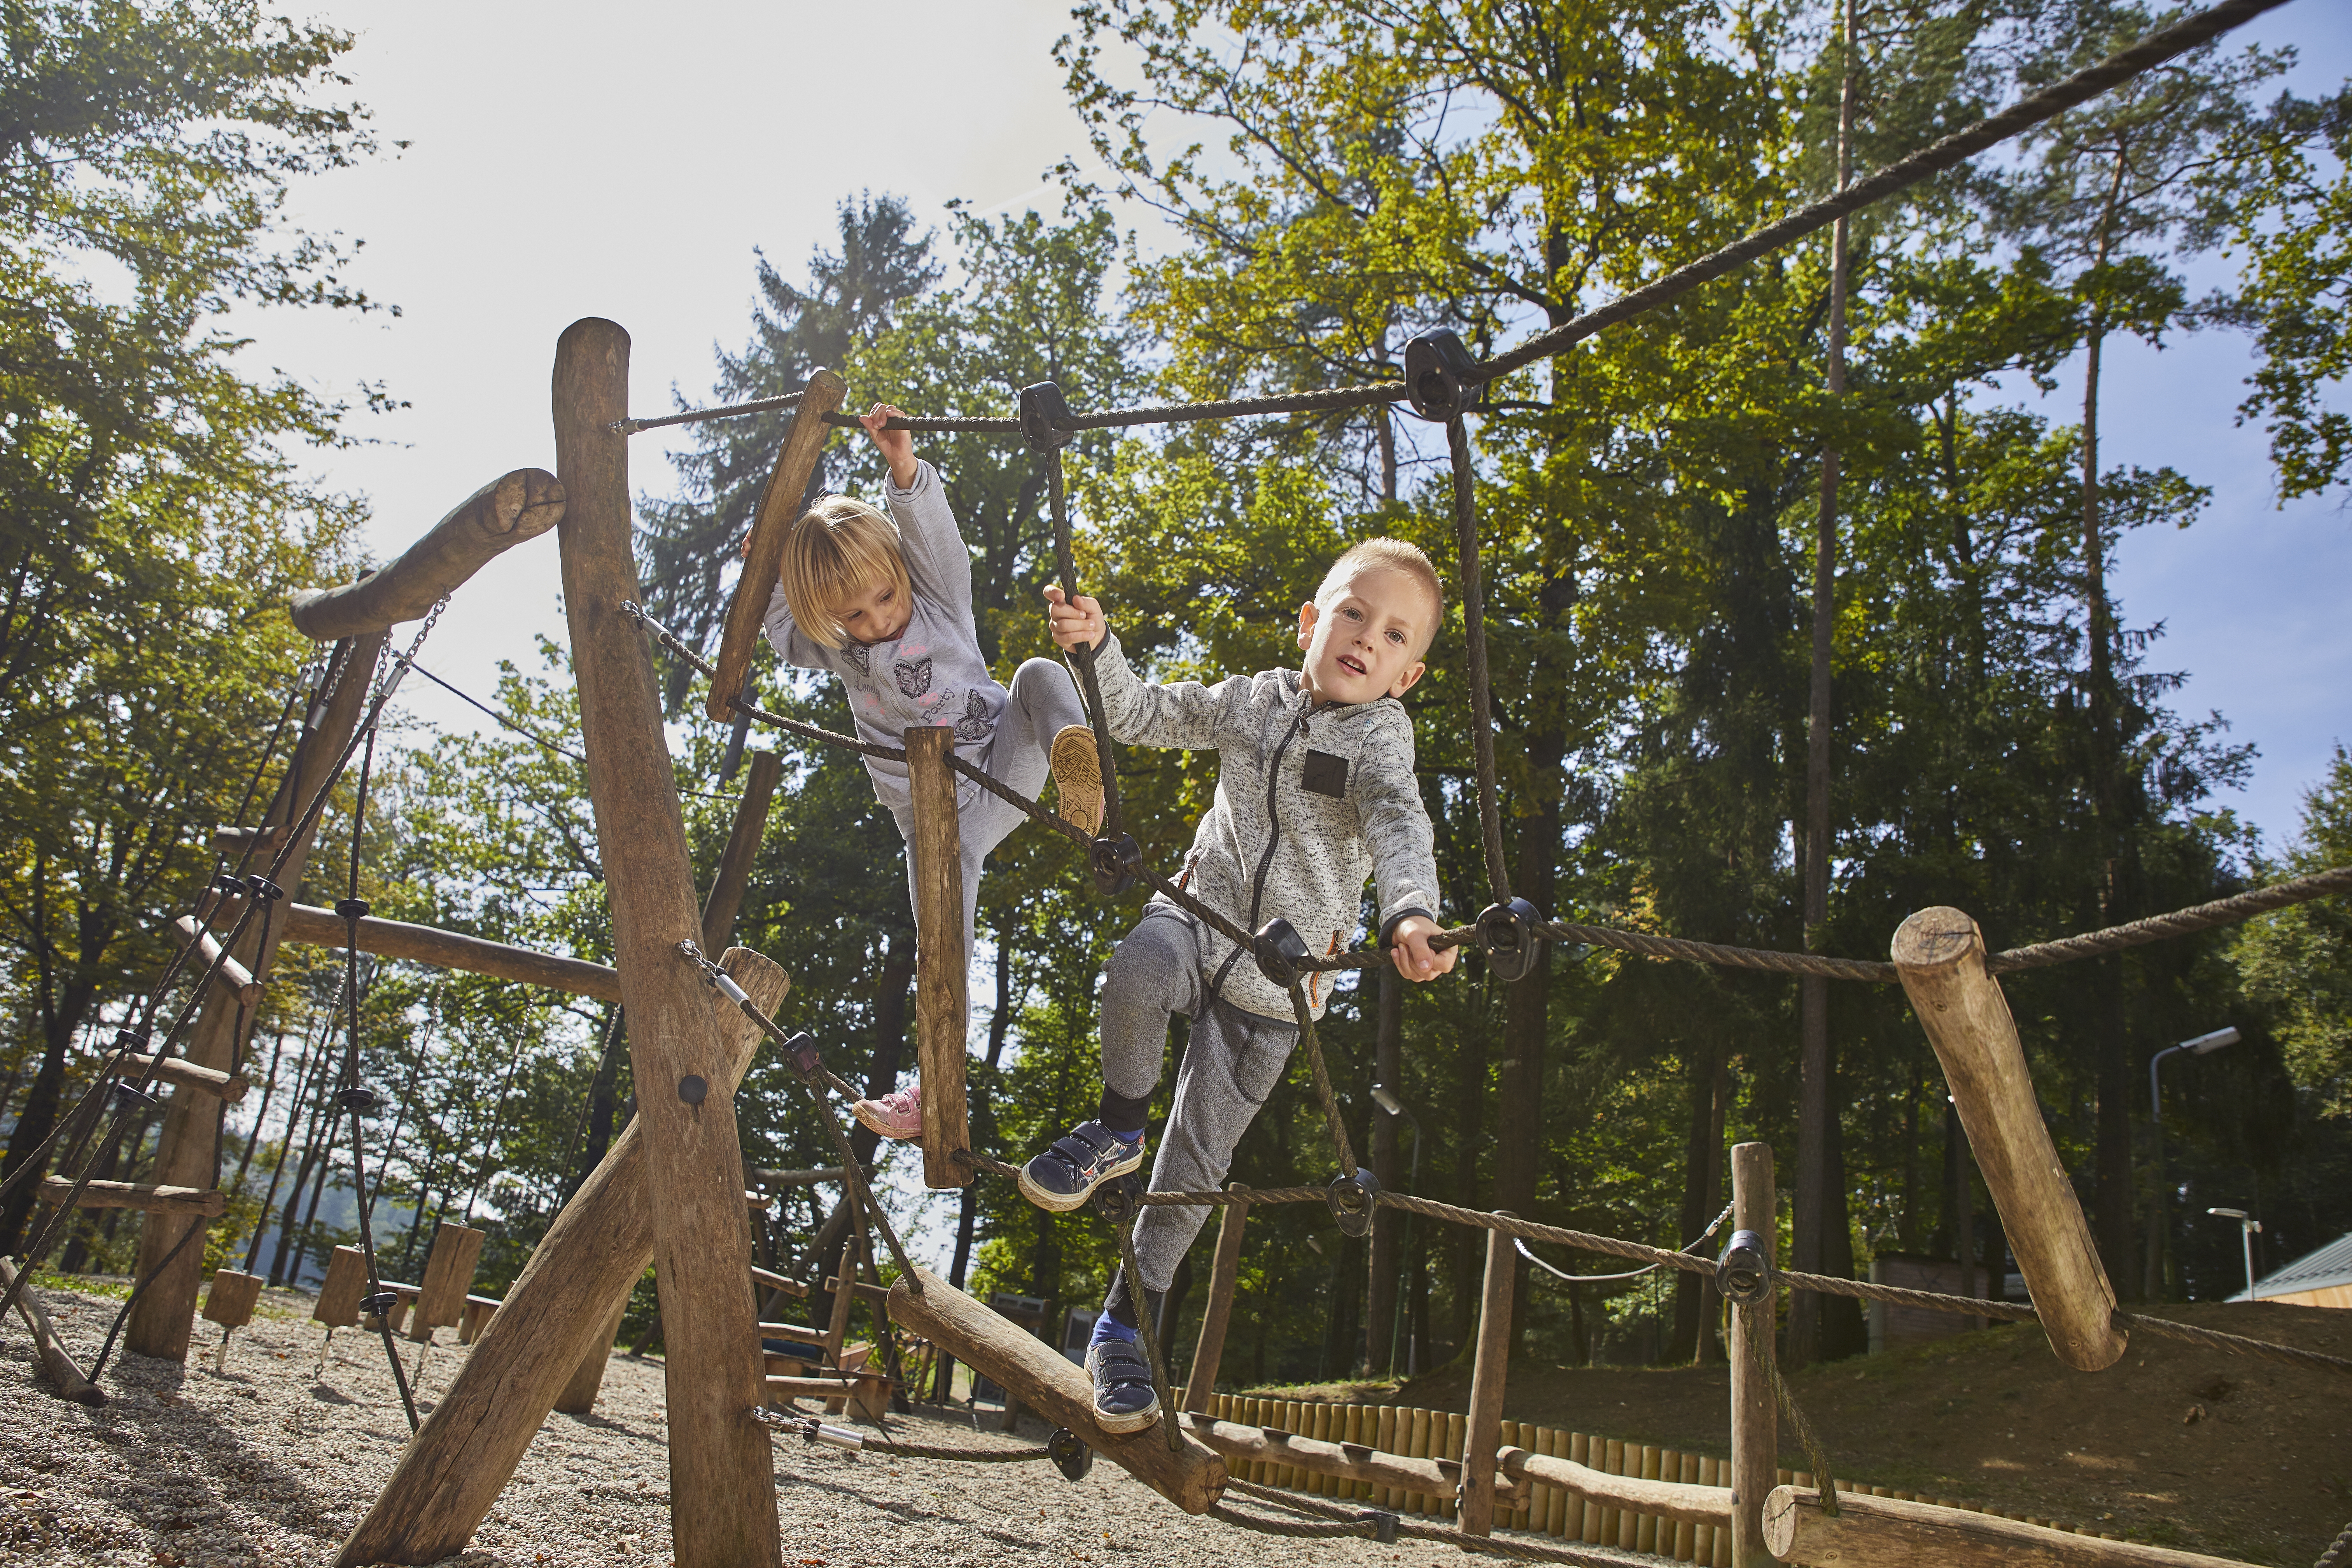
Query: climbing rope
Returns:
{"type": "Point", "coordinates": [1474, 635]}
{"type": "Point", "coordinates": [1759, 1319]}
{"type": "Point", "coordinates": [2336, 1550]}
{"type": "Point", "coordinates": [1146, 1330]}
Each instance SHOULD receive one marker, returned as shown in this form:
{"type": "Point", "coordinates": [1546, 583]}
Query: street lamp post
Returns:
{"type": "Point", "coordinates": [1386, 1099]}
{"type": "Point", "coordinates": [2248, 1227]}
{"type": "Point", "coordinates": [2160, 1230]}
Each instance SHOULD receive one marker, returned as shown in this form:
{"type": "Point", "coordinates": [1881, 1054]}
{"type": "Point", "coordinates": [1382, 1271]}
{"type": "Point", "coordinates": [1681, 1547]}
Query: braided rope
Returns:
{"type": "Point", "coordinates": [1717, 953]}
{"type": "Point", "coordinates": [2335, 1551]}
{"type": "Point", "coordinates": [2239, 907]}
{"type": "Point", "coordinates": [1769, 1365]}
{"type": "Point", "coordinates": [961, 1455]}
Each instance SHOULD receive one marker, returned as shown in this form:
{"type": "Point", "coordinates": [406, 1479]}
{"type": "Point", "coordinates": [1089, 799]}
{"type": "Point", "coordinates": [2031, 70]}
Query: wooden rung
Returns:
{"type": "Point", "coordinates": [1668, 1499]}
{"type": "Point", "coordinates": [791, 1331]}
{"type": "Point", "coordinates": [137, 1196]}
{"type": "Point", "coordinates": [759, 1202]}
{"type": "Point", "coordinates": [876, 1296]}
{"type": "Point", "coordinates": [189, 1076]}
{"type": "Point", "coordinates": [775, 1281]}
{"type": "Point", "coordinates": [231, 977]}
{"type": "Point", "coordinates": [315, 927]}
{"type": "Point", "coordinates": [823, 1175]}
{"type": "Point", "coordinates": [234, 842]}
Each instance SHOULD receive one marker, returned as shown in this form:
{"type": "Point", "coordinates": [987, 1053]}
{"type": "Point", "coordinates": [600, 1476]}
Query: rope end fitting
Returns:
{"type": "Point", "coordinates": [352, 909]}
{"type": "Point", "coordinates": [1743, 1273]}
{"type": "Point", "coordinates": [1070, 1454]}
{"type": "Point", "coordinates": [1384, 1524]}
{"type": "Point", "coordinates": [1353, 1201]}
{"type": "Point", "coordinates": [1512, 934]}
{"type": "Point", "coordinates": [1442, 377]}
{"type": "Point", "coordinates": [1281, 953]}
{"type": "Point", "coordinates": [1115, 1198]}
{"type": "Point", "coordinates": [1046, 418]}
{"type": "Point", "coordinates": [1115, 862]}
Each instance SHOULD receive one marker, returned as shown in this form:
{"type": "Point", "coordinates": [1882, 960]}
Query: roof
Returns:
{"type": "Point", "coordinates": [2331, 1265]}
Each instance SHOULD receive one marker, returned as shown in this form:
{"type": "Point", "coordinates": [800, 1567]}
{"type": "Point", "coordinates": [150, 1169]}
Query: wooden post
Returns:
{"type": "Point", "coordinates": [722, 1479]}
{"type": "Point", "coordinates": [763, 558]}
{"type": "Point", "coordinates": [60, 1367]}
{"type": "Point", "coordinates": [231, 1300]}
{"type": "Point", "coordinates": [1884, 1532]}
{"type": "Point", "coordinates": [940, 961]}
{"type": "Point", "coordinates": [1755, 1423]}
{"type": "Point", "coordinates": [1940, 954]}
{"type": "Point", "coordinates": [448, 1271]}
{"type": "Point", "coordinates": [1487, 1375]}
{"type": "Point", "coordinates": [579, 1390]}
{"type": "Point", "coordinates": [164, 1315]}
{"type": "Point", "coordinates": [340, 1291]}
{"type": "Point", "coordinates": [1209, 1348]}
{"type": "Point", "coordinates": [503, 513]}
{"type": "Point", "coordinates": [734, 873]}
{"type": "Point", "coordinates": [456, 1466]}
{"type": "Point", "coordinates": [1189, 1476]}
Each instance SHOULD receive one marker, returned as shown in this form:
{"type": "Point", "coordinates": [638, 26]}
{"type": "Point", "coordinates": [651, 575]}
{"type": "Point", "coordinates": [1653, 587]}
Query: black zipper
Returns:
{"type": "Point", "coordinates": [1273, 812]}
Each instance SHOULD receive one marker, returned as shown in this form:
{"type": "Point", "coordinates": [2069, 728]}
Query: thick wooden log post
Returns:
{"type": "Point", "coordinates": [339, 1293]}
{"type": "Point", "coordinates": [763, 558]}
{"type": "Point", "coordinates": [232, 1299]}
{"type": "Point", "coordinates": [308, 924]}
{"type": "Point", "coordinates": [448, 1272]}
{"type": "Point", "coordinates": [1482, 1428]}
{"type": "Point", "coordinates": [71, 1383]}
{"type": "Point", "coordinates": [458, 1462]}
{"type": "Point", "coordinates": [1755, 1421]}
{"type": "Point", "coordinates": [939, 967]}
{"type": "Point", "coordinates": [1668, 1499]}
{"type": "Point", "coordinates": [1940, 955]}
{"type": "Point", "coordinates": [1209, 1348]}
{"type": "Point", "coordinates": [1035, 1373]}
{"type": "Point", "coordinates": [503, 513]}
{"type": "Point", "coordinates": [725, 899]}
{"type": "Point", "coordinates": [164, 1316]}
{"type": "Point", "coordinates": [1886, 1532]}
{"type": "Point", "coordinates": [579, 1390]}
{"type": "Point", "coordinates": [722, 1482]}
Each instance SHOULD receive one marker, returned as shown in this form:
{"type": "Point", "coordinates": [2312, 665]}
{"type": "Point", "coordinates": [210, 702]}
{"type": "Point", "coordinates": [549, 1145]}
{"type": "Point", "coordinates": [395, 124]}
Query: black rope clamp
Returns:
{"type": "Point", "coordinates": [267, 891]}
{"type": "Point", "coordinates": [1384, 1524]}
{"type": "Point", "coordinates": [1115, 862]}
{"type": "Point", "coordinates": [1280, 952]}
{"type": "Point", "coordinates": [379, 1305]}
{"type": "Point", "coordinates": [1512, 934]}
{"type": "Point", "coordinates": [360, 1100]}
{"type": "Point", "coordinates": [129, 1097]}
{"type": "Point", "coordinates": [134, 1040]}
{"type": "Point", "coordinates": [1744, 1272]}
{"type": "Point", "coordinates": [802, 1048]}
{"type": "Point", "coordinates": [1045, 417]}
{"type": "Point", "coordinates": [1354, 1200]}
{"type": "Point", "coordinates": [352, 909]}
{"type": "Point", "coordinates": [228, 887]}
{"type": "Point", "coordinates": [1116, 1196]}
{"type": "Point", "coordinates": [1441, 376]}
{"type": "Point", "coordinates": [1070, 1454]}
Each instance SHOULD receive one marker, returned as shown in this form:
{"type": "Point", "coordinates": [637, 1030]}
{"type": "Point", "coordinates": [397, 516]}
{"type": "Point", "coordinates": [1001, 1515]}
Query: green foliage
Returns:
{"type": "Point", "coordinates": [2297, 963]}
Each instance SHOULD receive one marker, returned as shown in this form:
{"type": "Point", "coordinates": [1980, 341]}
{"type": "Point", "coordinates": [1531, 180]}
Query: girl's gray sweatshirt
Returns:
{"type": "Point", "coordinates": [1309, 802]}
{"type": "Point", "coordinates": [933, 675]}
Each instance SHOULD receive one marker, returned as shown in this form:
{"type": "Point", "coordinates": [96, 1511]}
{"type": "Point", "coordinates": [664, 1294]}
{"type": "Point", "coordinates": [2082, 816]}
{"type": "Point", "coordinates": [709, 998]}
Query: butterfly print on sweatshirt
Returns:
{"type": "Point", "coordinates": [973, 725]}
{"type": "Point", "coordinates": [913, 677]}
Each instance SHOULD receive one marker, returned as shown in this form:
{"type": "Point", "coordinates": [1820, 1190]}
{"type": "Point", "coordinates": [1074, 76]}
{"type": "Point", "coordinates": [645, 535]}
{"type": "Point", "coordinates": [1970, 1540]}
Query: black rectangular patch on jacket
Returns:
{"type": "Point", "coordinates": [1326, 774]}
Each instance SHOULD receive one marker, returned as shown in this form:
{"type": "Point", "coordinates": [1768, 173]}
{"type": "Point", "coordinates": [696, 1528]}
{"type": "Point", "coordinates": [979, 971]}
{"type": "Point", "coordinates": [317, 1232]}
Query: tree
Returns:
{"type": "Point", "coordinates": [2298, 962]}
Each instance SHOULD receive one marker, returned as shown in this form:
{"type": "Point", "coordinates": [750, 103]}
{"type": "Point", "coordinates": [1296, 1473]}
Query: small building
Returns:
{"type": "Point", "coordinates": [2321, 1278]}
{"type": "Point", "coordinates": [1894, 1326]}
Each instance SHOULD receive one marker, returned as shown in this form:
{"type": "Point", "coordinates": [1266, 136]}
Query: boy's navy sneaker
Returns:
{"type": "Point", "coordinates": [1065, 1175]}
{"type": "Point", "coordinates": [1125, 1400]}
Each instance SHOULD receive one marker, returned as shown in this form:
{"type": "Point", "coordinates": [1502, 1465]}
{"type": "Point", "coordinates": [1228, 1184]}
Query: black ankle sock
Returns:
{"type": "Point", "coordinates": [1121, 1114]}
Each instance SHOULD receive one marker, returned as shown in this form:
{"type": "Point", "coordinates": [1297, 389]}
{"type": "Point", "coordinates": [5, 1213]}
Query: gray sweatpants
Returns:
{"type": "Point", "coordinates": [1044, 702]}
{"type": "Point", "coordinates": [1232, 1062]}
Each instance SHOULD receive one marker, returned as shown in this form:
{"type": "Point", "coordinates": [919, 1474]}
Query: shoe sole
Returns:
{"type": "Point", "coordinates": [1134, 1422]}
{"type": "Point", "coordinates": [1076, 767]}
{"type": "Point", "coordinates": [1063, 1202]}
{"type": "Point", "coordinates": [876, 1125]}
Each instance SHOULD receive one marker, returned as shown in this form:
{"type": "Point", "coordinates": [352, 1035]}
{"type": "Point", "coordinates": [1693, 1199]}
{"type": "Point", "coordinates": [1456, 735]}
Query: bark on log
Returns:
{"type": "Point", "coordinates": [1191, 1476]}
{"type": "Point", "coordinates": [315, 927]}
{"type": "Point", "coordinates": [502, 514]}
{"type": "Point", "coordinates": [163, 1317]}
{"type": "Point", "coordinates": [587, 1379]}
{"type": "Point", "coordinates": [763, 561]}
{"type": "Point", "coordinates": [70, 1384]}
{"type": "Point", "coordinates": [185, 1074]}
{"type": "Point", "coordinates": [1885, 1533]}
{"type": "Point", "coordinates": [231, 1300]}
{"type": "Point", "coordinates": [1668, 1499]}
{"type": "Point", "coordinates": [1940, 955]}
{"type": "Point", "coordinates": [734, 873]}
{"type": "Point", "coordinates": [227, 973]}
{"type": "Point", "coordinates": [205, 1201]}
{"type": "Point", "coordinates": [1483, 1423]}
{"type": "Point", "coordinates": [939, 960]}
{"type": "Point", "coordinates": [1755, 1420]}
{"type": "Point", "coordinates": [585, 1267]}
{"type": "Point", "coordinates": [1209, 1348]}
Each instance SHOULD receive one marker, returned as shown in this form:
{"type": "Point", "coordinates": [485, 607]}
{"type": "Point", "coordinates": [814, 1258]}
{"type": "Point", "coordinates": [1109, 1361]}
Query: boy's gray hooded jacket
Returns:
{"type": "Point", "coordinates": [1308, 803]}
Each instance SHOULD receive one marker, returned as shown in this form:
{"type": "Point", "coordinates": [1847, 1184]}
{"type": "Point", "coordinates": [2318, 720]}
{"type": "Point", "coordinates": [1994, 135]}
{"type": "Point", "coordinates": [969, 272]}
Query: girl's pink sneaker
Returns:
{"type": "Point", "coordinates": [897, 1114]}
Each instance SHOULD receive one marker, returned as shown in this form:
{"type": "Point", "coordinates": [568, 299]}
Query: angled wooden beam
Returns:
{"type": "Point", "coordinates": [780, 505]}
{"type": "Point", "coordinates": [1209, 1349]}
{"type": "Point", "coordinates": [71, 1384]}
{"type": "Point", "coordinates": [503, 513]}
{"type": "Point", "coordinates": [315, 927]}
{"type": "Point", "coordinates": [183, 1073]}
{"type": "Point", "coordinates": [209, 1202]}
{"type": "Point", "coordinates": [227, 973]}
{"type": "Point", "coordinates": [725, 899]}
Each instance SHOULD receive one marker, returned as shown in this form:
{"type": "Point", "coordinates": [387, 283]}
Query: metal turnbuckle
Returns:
{"type": "Point", "coordinates": [1044, 413]}
{"type": "Point", "coordinates": [1281, 953]}
{"type": "Point", "coordinates": [1115, 1198]}
{"type": "Point", "coordinates": [1115, 862]}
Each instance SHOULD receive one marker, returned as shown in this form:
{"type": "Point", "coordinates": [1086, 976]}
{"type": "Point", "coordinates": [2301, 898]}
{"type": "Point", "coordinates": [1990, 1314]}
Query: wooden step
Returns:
{"type": "Point", "coordinates": [187, 1075]}
{"type": "Point", "coordinates": [137, 1196]}
{"type": "Point", "coordinates": [231, 977]}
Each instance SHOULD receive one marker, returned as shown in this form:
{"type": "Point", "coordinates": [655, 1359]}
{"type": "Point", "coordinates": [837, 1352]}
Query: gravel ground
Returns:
{"type": "Point", "coordinates": [269, 1463]}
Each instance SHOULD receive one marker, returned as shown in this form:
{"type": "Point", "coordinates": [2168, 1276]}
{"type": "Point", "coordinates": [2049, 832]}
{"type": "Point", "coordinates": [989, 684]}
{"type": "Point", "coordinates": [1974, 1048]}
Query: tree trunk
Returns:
{"type": "Point", "coordinates": [1388, 1224]}
{"type": "Point", "coordinates": [61, 1014]}
{"type": "Point", "coordinates": [1700, 1182]}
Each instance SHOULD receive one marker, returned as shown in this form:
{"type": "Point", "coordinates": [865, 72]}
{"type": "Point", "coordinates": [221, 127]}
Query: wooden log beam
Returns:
{"type": "Point", "coordinates": [1668, 1500]}
{"type": "Point", "coordinates": [1755, 1420]}
{"type": "Point", "coordinates": [454, 1469]}
{"type": "Point", "coordinates": [70, 1384]}
{"type": "Point", "coordinates": [775, 1281]}
{"type": "Point", "coordinates": [1885, 1533]}
{"type": "Point", "coordinates": [227, 973]}
{"type": "Point", "coordinates": [502, 514]}
{"type": "Point", "coordinates": [725, 899]}
{"type": "Point", "coordinates": [185, 1074]}
{"type": "Point", "coordinates": [1209, 1348]}
{"type": "Point", "coordinates": [587, 1379]}
{"type": "Point", "coordinates": [1345, 1461]}
{"type": "Point", "coordinates": [234, 841]}
{"type": "Point", "coordinates": [208, 1202]}
{"type": "Point", "coordinates": [315, 927]}
{"type": "Point", "coordinates": [1483, 1423]}
{"type": "Point", "coordinates": [763, 558]}
{"type": "Point", "coordinates": [1192, 1476]}
{"type": "Point", "coordinates": [873, 1294]}
{"type": "Point", "coordinates": [939, 959]}
{"type": "Point", "coordinates": [163, 1316]}
{"type": "Point", "coordinates": [1940, 955]}
{"type": "Point", "coordinates": [759, 1175]}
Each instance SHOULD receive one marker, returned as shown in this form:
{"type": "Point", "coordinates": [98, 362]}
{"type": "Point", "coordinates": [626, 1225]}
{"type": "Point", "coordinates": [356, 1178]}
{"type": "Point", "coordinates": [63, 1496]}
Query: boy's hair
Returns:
{"type": "Point", "coordinates": [837, 548]}
{"type": "Point", "coordinates": [1388, 555]}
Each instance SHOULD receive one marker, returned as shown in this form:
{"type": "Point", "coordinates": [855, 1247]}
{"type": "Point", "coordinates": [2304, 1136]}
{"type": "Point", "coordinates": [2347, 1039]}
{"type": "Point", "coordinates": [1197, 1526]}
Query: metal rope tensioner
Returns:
{"type": "Point", "coordinates": [1442, 376]}
{"type": "Point", "coordinates": [1070, 1454]}
{"type": "Point", "coordinates": [1744, 1272]}
{"type": "Point", "coordinates": [1512, 934]}
{"type": "Point", "coordinates": [810, 1430]}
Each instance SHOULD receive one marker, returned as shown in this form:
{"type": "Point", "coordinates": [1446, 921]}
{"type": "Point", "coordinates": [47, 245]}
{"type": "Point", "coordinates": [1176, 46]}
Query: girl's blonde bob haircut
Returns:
{"type": "Point", "coordinates": [838, 549]}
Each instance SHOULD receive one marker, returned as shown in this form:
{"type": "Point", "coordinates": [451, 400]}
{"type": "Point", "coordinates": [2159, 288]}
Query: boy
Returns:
{"type": "Point", "coordinates": [884, 603]}
{"type": "Point", "coordinates": [1314, 790]}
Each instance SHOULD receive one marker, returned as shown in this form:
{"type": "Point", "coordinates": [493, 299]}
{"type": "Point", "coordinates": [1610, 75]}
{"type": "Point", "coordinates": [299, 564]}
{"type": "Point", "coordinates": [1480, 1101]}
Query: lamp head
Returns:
{"type": "Point", "coordinates": [2227, 1213]}
{"type": "Point", "coordinates": [2204, 1044]}
{"type": "Point", "coordinates": [1387, 1100]}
